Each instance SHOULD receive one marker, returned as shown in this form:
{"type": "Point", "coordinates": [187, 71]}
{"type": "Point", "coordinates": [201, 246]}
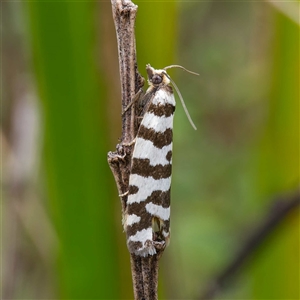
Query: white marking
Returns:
{"type": "Point", "coordinates": [146, 186]}
{"type": "Point", "coordinates": [163, 97]}
{"type": "Point", "coordinates": [145, 251]}
{"type": "Point", "coordinates": [165, 234]}
{"type": "Point", "coordinates": [145, 149]}
{"type": "Point", "coordinates": [158, 124]}
{"type": "Point", "coordinates": [132, 219]}
{"type": "Point", "coordinates": [143, 236]}
{"type": "Point", "coordinates": [158, 211]}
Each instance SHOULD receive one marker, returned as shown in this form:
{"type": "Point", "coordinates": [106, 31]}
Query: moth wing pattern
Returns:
{"type": "Point", "coordinates": [147, 216]}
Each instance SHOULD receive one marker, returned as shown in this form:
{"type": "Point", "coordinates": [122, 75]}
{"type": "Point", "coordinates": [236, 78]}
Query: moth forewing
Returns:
{"type": "Point", "coordinates": [147, 218]}
{"type": "Point", "coordinates": [147, 215]}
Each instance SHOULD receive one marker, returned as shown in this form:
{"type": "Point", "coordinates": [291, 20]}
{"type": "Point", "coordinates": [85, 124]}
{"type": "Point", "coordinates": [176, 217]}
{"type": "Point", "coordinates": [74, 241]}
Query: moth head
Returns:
{"type": "Point", "coordinates": [157, 77]}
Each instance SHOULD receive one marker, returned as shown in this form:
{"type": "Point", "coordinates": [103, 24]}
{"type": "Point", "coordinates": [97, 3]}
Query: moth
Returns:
{"type": "Point", "coordinates": [147, 214]}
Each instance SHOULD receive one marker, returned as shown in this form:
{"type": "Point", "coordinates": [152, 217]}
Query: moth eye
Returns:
{"type": "Point", "coordinates": [156, 79]}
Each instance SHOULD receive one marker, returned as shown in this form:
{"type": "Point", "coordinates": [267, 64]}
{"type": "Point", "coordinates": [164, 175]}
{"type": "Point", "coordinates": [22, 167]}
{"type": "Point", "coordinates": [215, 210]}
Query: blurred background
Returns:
{"type": "Point", "coordinates": [61, 216]}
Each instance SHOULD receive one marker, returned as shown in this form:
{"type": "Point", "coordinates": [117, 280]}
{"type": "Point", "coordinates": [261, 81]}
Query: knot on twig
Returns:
{"type": "Point", "coordinates": [122, 154]}
{"type": "Point", "coordinates": [124, 7]}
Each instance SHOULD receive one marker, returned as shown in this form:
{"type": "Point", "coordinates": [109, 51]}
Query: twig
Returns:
{"type": "Point", "coordinates": [144, 269]}
{"type": "Point", "coordinates": [279, 210]}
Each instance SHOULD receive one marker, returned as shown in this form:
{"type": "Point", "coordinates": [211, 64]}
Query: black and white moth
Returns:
{"type": "Point", "coordinates": [147, 214]}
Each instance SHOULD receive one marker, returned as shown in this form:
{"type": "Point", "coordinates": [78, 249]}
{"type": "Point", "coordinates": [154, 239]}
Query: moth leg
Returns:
{"type": "Point", "coordinates": [157, 228]}
{"type": "Point", "coordinates": [159, 240]}
{"type": "Point", "coordinates": [135, 99]}
{"type": "Point", "coordinates": [159, 245]}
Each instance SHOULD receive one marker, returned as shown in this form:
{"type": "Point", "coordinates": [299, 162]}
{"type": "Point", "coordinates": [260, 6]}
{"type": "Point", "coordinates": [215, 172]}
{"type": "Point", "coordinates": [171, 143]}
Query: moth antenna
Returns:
{"type": "Point", "coordinates": [182, 102]}
{"type": "Point", "coordinates": [180, 67]}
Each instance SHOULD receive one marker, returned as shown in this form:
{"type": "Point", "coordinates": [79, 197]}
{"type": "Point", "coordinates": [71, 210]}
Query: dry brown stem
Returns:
{"type": "Point", "coordinates": [144, 269]}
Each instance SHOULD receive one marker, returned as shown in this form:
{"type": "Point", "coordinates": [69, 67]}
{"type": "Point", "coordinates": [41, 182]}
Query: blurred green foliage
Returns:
{"type": "Point", "coordinates": [75, 139]}
{"type": "Point", "coordinates": [276, 271]}
{"type": "Point", "coordinates": [156, 31]}
{"type": "Point", "coordinates": [245, 104]}
{"type": "Point", "coordinates": [245, 152]}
